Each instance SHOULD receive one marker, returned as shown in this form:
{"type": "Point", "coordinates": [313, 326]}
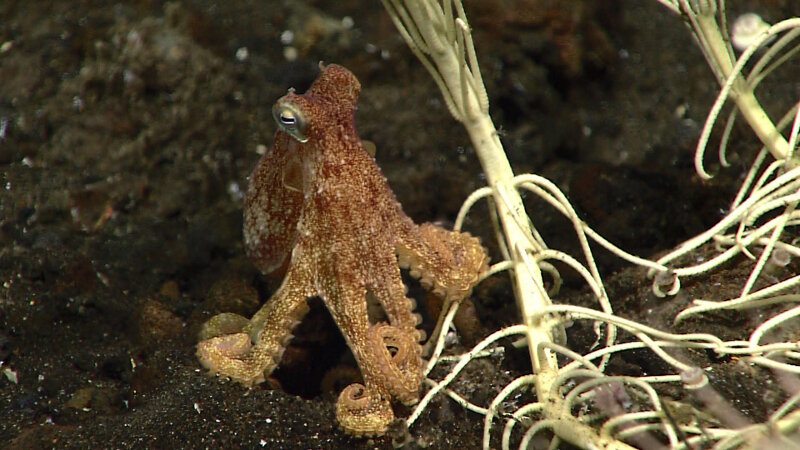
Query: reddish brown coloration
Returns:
{"type": "Point", "coordinates": [318, 198]}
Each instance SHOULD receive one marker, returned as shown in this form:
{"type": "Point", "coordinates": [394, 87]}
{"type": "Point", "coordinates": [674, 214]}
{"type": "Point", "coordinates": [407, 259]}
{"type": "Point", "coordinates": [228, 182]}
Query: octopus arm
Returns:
{"type": "Point", "coordinates": [449, 263]}
{"type": "Point", "coordinates": [249, 354]}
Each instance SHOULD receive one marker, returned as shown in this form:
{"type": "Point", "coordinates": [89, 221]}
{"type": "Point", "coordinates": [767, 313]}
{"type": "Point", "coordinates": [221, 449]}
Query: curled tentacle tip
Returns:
{"type": "Point", "coordinates": [362, 412]}
{"type": "Point", "coordinates": [705, 176]}
{"type": "Point", "coordinates": [699, 167]}
{"type": "Point", "coordinates": [666, 279]}
{"type": "Point", "coordinates": [211, 351]}
{"type": "Point", "coordinates": [679, 318]}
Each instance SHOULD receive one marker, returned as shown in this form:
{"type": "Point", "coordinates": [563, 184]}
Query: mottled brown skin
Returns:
{"type": "Point", "coordinates": [318, 198]}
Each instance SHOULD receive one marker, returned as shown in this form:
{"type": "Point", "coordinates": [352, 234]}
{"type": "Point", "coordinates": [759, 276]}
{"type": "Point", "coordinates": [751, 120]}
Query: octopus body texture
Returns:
{"type": "Point", "coordinates": [318, 203]}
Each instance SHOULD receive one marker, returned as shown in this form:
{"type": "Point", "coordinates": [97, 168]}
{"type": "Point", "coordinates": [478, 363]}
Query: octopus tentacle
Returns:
{"type": "Point", "coordinates": [398, 372]}
{"type": "Point", "coordinates": [234, 355]}
{"type": "Point", "coordinates": [361, 411]}
{"type": "Point", "coordinates": [391, 292]}
{"type": "Point", "coordinates": [221, 325]}
{"type": "Point", "coordinates": [229, 356]}
{"type": "Point", "coordinates": [397, 357]}
{"type": "Point", "coordinates": [449, 263]}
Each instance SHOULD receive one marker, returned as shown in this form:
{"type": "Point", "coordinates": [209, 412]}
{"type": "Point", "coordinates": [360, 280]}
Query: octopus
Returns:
{"type": "Point", "coordinates": [319, 207]}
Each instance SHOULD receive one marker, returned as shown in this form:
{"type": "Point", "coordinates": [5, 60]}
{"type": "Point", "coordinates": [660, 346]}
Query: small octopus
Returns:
{"type": "Point", "coordinates": [318, 199]}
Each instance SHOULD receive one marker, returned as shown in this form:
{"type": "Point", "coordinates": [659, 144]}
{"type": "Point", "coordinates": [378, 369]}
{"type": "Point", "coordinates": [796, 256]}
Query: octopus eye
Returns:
{"type": "Point", "coordinates": [290, 120]}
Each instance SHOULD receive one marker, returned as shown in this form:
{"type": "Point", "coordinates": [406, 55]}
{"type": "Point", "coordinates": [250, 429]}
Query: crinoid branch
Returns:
{"type": "Point", "coordinates": [707, 20]}
{"type": "Point", "coordinates": [569, 396]}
